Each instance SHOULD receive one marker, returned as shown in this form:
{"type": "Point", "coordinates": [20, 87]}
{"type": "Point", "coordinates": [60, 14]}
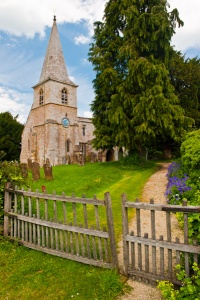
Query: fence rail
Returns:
{"type": "Point", "coordinates": [150, 255]}
{"type": "Point", "coordinates": [82, 229]}
{"type": "Point", "coordinates": [69, 227]}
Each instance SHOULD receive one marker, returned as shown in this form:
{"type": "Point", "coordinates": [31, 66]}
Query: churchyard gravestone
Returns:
{"type": "Point", "coordinates": [24, 170]}
{"type": "Point", "coordinates": [35, 171]}
{"type": "Point", "coordinates": [48, 173]}
{"type": "Point", "coordinates": [29, 164]}
{"type": "Point", "coordinates": [92, 157]}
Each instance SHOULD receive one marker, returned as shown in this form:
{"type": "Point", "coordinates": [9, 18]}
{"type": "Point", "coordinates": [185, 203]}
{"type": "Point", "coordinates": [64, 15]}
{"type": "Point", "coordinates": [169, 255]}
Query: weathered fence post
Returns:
{"type": "Point", "coordinates": [125, 232]}
{"type": "Point", "coordinates": [7, 206]}
{"type": "Point", "coordinates": [111, 229]}
{"type": "Point", "coordinates": [186, 229]}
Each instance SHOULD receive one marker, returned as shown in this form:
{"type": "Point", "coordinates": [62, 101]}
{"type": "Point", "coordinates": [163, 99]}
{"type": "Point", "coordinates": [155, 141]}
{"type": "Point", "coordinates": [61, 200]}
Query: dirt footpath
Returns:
{"type": "Point", "coordinates": [154, 188]}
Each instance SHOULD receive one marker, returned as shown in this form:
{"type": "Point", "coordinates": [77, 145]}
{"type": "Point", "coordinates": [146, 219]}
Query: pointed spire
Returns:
{"type": "Point", "coordinates": [54, 64]}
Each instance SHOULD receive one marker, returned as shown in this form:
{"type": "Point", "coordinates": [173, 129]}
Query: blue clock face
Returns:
{"type": "Point", "coordinates": [65, 122]}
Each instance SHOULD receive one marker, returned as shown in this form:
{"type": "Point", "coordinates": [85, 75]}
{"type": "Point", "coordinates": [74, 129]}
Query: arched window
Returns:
{"type": "Point", "coordinates": [41, 97]}
{"type": "Point", "coordinates": [68, 145]}
{"type": "Point", "coordinates": [64, 96]}
{"type": "Point", "coordinates": [83, 128]}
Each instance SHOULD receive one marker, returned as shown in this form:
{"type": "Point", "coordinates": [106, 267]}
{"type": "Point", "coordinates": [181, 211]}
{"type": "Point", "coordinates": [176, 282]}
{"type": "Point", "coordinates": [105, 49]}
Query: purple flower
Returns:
{"type": "Point", "coordinates": [173, 169]}
{"type": "Point", "coordinates": [176, 185]}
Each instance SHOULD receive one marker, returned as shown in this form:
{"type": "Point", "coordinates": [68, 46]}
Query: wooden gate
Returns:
{"type": "Point", "coordinates": [150, 255]}
{"type": "Point", "coordinates": [65, 226]}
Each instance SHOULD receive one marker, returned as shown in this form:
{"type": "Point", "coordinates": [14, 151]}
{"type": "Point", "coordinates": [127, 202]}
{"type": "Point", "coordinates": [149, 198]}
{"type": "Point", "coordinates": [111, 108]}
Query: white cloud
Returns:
{"type": "Point", "coordinates": [87, 114]}
{"type": "Point", "coordinates": [16, 65]}
{"type": "Point", "coordinates": [26, 18]}
{"type": "Point", "coordinates": [187, 36]}
{"type": "Point", "coordinates": [72, 78]}
{"type": "Point", "coordinates": [85, 90]}
{"type": "Point", "coordinates": [81, 39]}
{"type": "Point", "coordinates": [10, 45]}
{"type": "Point", "coordinates": [85, 61]}
{"type": "Point", "coordinates": [15, 103]}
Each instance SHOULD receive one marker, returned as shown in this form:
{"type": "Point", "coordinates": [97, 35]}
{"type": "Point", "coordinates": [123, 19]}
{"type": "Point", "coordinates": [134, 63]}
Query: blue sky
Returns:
{"type": "Point", "coordinates": [24, 33]}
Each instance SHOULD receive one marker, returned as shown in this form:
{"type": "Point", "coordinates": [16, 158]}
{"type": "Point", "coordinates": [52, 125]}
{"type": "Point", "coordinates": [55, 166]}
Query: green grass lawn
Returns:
{"type": "Point", "coordinates": [28, 274]}
{"type": "Point", "coordinates": [97, 179]}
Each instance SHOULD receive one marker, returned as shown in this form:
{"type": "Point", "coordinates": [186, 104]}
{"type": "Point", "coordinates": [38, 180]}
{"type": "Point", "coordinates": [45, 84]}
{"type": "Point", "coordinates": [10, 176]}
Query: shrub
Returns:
{"type": "Point", "coordinates": [136, 161]}
{"type": "Point", "coordinates": [131, 160]}
{"type": "Point", "coordinates": [190, 288]}
{"type": "Point", "coordinates": [190, 154]}
{"type": "Point", "coordinates": [9, 172]}
{"type": "Point", "coordinates": [193, 218]}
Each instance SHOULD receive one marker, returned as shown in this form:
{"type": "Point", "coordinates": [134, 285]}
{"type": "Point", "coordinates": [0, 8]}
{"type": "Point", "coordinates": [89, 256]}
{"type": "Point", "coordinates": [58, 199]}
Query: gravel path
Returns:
{"type": "Point", "coordinates": [154, 188]}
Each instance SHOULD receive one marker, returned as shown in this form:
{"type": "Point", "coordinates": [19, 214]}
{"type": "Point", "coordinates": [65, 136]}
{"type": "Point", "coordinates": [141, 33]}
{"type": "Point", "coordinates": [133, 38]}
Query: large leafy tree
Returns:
{"type": "Point", "coordinates": [185, 77]}
{"type": "Point", "coordinates": [10, 137]}
{"type": "Point", "coordinates": [135, 103]}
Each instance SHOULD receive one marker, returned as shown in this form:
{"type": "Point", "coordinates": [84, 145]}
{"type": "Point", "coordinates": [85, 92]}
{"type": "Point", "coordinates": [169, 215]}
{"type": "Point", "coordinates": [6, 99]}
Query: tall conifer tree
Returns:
{"type": "Point", "coordinates": [135, 103]}
{"type": "Point", "coordinates": [104, 54]}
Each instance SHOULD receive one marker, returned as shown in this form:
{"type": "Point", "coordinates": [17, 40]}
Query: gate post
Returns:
{"type": "Point", "coordinates": [7, 206]}
{"type": "Point", "coordinates": [111, 232]}
{"type": "Point", "coordinates": [125, 232]}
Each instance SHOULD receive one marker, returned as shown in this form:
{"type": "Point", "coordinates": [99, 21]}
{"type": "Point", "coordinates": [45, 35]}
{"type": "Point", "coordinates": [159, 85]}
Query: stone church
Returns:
{"type": "Point", "coordinates": [53, 130]}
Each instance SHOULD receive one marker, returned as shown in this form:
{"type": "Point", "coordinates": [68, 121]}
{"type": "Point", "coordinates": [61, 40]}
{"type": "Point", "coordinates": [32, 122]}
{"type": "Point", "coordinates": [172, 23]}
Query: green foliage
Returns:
{"type": "Point", "coordinates": [194, 218]}
{"type": "Point", "coordinates": [190, 154]}
{"type": "Point", "coordinates": [135, 161]}
{"type": "Point", "coordinates": [190, 165]}
{"type": "Point", "coordinates": [189, 290]}
{"type": "Point", "coordinates": [9, 172]}
{"type": "Point", "coordinates": [185, 77]}
{"type": "Point", "coordinates": [10, 136]}
{"type": "Point", "coordinates": [26, 273]}
{"type": "Point", "coordinates": [135, 103]}
{"type": "Point", "coordinates": [155, 154]}
{"type": "Point", "coordinates": [131, 160]}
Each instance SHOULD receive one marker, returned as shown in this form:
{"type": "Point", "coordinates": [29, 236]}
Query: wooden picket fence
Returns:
{"type": "Point", "coordinates": [149, 255]}
{"type": "Point", "coordinates": [75, 228]}
{"type": "Point", "coordinates": [65, 226]}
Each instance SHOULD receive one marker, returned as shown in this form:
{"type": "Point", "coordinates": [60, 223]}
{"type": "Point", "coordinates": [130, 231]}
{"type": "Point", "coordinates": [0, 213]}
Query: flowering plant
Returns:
{"type": "Point", "coordinates": [177, 190]}
{"type": "Point", "coordinates": [177, 185]}
{"type": "Point", "coordinates": [173, 169]}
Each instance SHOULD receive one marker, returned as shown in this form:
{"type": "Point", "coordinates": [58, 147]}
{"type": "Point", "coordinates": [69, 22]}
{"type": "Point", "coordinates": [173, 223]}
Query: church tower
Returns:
{"type": "Point", "coordinates": [53, 130]}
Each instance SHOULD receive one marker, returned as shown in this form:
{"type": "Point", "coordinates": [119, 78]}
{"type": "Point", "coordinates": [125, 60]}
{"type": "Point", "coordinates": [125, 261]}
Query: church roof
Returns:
{"type": "Point", "coordinates": [54, 64]}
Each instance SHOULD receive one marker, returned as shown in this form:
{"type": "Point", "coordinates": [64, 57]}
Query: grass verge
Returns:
{"type": "Point", "coordinates": [28, 274]}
